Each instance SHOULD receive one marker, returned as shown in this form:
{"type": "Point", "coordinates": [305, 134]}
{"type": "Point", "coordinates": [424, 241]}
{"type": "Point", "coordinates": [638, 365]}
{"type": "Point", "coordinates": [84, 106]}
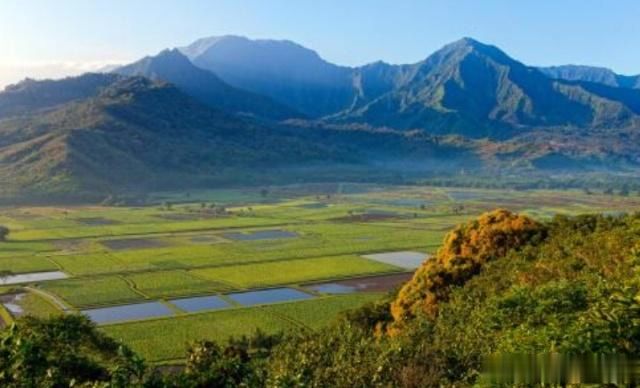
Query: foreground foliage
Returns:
{"type": "Point", "coordinates": [466, 249]}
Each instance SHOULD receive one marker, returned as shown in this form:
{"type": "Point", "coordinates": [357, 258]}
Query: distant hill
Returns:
{"type": "Point", "coordinates": [30, 95]}
{"type": "Point", "coordinates": [282, 70]}
{"type": "Point", "coordinates": [600, 75]}
{"type": "Point", "coordinates": [138, 134]}
{"type": "Point", "coordinates": [171, 66]}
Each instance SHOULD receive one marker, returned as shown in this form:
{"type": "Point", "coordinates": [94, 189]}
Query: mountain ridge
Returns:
{"type": "Point", "coordinates": [172, 66]}
{"type": "Point", "coordinates": [163, 121]}
{"type": "Point", "coordinates": [466, 87]}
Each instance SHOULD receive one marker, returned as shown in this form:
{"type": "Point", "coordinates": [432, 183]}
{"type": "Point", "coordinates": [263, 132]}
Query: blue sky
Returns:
{"type": "Point", "coordinates": [45, 38]}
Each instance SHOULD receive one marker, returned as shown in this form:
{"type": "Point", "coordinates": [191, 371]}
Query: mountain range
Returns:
{"type": "Point", "coordinates": [230, 110]}
{"type": "Point", "coordinates": [466, 87]}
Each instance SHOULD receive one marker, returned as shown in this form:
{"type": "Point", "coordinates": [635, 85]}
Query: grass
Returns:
{"type": "Point", "coordinates": [167, 339]}
{"type": "Point", "coordinates": [315, 240]}
{"type": "Point", "coordinates": [26, 264]}
{"type": "Point", "coordinates": [35, 305]}
{"type": "Point", "coordinates": [317, 313]}
{"type": "Point", "coordinates": [173, 283]}
{"type": "Point", "coordinates": [9, 249]}
{"type": "Point", "coordinates": [93, 291]}
{"type": "Point", "coordinates": [294, 271]}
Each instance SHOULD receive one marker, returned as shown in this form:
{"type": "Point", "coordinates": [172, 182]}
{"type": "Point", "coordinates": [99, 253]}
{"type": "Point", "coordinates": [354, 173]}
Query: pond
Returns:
{"type": "Point", "coordinates": [402, 259]}
{"type": "Point", "coordinates": [260, 235]}
{"type": "Point", "coordinates": [32, 277]}
{"type": "Point", "coordinates": [273, 295]}
{"type": "Point", "coordinates": [200, 303]}
{"type": "Point", "coordinates": [128, 312]}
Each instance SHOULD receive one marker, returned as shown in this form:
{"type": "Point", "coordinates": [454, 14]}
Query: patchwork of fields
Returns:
{"type": "Point", "coordinates": [194, 266]}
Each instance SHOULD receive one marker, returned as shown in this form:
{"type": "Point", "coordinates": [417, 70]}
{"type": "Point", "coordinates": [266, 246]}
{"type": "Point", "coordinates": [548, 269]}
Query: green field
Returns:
{"type": "Point", "coordinates": [158, 252]}
{"type": "Point", "coordinates": [85, 292]}
{"type": "Point", "coordinates": [167, 339]}
{"type": "Point", "coordinates": [173, 283]}
{"type": "Point", "coordinates": [294, 271]}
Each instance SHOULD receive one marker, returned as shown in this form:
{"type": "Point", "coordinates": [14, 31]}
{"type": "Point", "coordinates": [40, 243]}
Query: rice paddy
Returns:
{"type": "Point", "coordinates": [221, 263]}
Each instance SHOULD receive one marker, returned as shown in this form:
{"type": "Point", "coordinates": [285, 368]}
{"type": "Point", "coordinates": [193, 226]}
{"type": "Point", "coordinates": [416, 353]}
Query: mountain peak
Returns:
{"type": "Point", "coordinates": [472, 45]}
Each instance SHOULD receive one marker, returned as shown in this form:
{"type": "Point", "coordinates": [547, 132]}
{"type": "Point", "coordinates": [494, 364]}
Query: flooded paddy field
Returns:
{"type": "Point", "coordinates": [32, 277]}
{"type": "Point", "coordinates": [128, 312]}
{"type": "Point", "coordinates": [276, 295]}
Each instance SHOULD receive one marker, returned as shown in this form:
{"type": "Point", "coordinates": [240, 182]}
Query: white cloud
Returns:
{"type": "Point", "coordinates": [12, 72]}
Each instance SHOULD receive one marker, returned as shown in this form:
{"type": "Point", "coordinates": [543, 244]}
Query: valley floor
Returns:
{"type": "Point", "coordinates": [215, 264]}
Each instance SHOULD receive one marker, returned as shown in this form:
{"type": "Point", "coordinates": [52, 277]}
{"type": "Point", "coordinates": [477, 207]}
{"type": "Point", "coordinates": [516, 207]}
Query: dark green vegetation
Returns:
{"type": "Point", "coordinates": [233, 112]}
{"type": "Point", "coordinates": [571, 287]}
{"type": "Point", "coordinates": [137, 134]}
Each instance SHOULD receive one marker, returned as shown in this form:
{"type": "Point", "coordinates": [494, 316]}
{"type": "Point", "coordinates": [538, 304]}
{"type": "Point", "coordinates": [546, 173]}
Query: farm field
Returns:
{"type": "Point", "coordinates": [217, 244]}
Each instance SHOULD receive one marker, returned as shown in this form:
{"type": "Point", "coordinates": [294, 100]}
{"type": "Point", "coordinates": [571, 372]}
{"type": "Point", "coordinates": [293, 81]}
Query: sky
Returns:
{"type": "Point", "coordinates": [53, 38]}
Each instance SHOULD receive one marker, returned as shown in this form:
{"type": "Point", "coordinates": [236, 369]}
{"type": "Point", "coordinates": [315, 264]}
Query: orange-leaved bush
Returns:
{"type": "Point", "coordinates": [465, 250]}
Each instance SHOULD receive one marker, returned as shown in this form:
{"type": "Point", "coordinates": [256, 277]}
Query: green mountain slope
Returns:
{"type": "Point", "coordinates": [29, 96]}
{"type": "Point", "coordinates": [171, 66]}
{"type": "Point", "coordinates": [476, 90]}
{"type": "Point", "coordinates": [139, 134]}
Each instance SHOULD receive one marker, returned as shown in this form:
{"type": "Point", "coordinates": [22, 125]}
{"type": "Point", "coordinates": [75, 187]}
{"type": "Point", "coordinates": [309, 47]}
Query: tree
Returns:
{"type": "Point", "coordinates": [264, 192]}
{"type": "Point", "coordinates": [65, 351]}
{"type": "Point", "coordinates": [465, 251]}
{"type": "Point", "coordinates": [4, 233]}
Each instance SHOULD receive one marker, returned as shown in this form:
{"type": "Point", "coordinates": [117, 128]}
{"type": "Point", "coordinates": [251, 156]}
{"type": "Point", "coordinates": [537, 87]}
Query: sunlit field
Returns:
{"type": "Point", "coordinates": [225, 243]}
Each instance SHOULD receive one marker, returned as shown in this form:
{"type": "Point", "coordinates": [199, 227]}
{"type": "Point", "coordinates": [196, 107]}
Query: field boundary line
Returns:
{"type": "Point", "coordinates": [55, 263]}
{"type": "Point", "coordinates": [190, 272]}
{"type": "Point", "coordinates": [59, 302]}
{"type": "Point", "coordinates": [132, 285]}
{"type": "Point", "coordinates": [287, 318]}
